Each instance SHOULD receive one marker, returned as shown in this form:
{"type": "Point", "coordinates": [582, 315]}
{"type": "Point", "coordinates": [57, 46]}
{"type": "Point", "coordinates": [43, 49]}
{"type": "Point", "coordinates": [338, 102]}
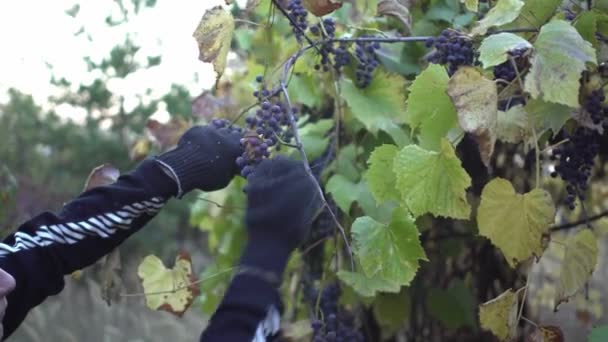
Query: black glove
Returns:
{"type": "Point", "coordinates": [282, 203]}
{"type": "Point", "coordinates": [203, 159]}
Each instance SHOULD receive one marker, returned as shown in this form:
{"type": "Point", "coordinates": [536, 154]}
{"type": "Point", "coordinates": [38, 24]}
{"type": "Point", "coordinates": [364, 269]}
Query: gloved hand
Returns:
{"type": "Point", "coordinates": [282, 203]}
{"type": "Point", "coordinates": [205, 158]}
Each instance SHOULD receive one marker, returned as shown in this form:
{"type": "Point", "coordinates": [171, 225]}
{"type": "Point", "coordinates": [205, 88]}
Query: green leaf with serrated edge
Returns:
{"type": "Point", "coordinates": [514, 125]}
{"type": "Point", "coordinates": [381, 179]}
{"type": "Point", "coordinates": [493, 49]}
{"type": "Point", "coordinates": [547, 115]}
{"type": "Point", "coordinates": [599, 334]}
{"type": "Point", "coordinates": [314, 138]}
{"type": "Point", "coordinates": [559, 57]}
{"type": "Point", "coordinates": [171, 290]}
{"type": "Point", "coordinates": [214, 35]}
{"type": "Point", "coordinates": [429, 108]}
{"type": "Point", "coordinates": [514, 223]}
{"type": "Point", "coordinates": [476, 99]}
{"type": "Point", "coordinates": [432, 182]}
{"type": "Point", "coordinates": [343, 191]}
{"type": "Point", "coordinates": [499, 315]}
{"type": "Point", "coordinates": [471, 5]}
{"type": "Point", "coordinates": [364, 286]}
{"type": "Point", "coordinates": [388, 252]}
{"type": "Point", "coordinates": [378, 105]}
{"type": "Point", "coordinates": [579, 262]}
{"type": "Point", "coordinates": [535, 13]}
{"type": "Point", "coordinates": [504, 12]}
{"type": "Point", "coordinates": [454, 306]}
{"type": "Point", "coordinates": [392, 310]}
{"type": "Point", "coordinates": [587, 25]}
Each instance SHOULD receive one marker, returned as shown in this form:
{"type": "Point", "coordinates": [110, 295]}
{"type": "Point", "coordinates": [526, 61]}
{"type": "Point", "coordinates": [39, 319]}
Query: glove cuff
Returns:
{"type": "Point", "coordinates": [269, 255]}
{"type": "Point", "coordinates": [184, 163]}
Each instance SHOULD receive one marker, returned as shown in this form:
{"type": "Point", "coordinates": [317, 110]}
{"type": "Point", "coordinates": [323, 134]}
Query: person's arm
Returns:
{"type": "Point", "coordinates": [49, 246]}
{"type": "Point", "coordinates": [282, 202]}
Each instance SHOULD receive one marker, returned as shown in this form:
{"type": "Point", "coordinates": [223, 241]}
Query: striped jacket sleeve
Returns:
{"type": "Point", "coordinates": [49, 246]}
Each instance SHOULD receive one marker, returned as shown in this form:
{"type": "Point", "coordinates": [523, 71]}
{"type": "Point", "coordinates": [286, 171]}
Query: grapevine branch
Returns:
{"type": "Point", "coordinates": [579, 222]}
{"type": "Point", "coordinates": [294, 127]}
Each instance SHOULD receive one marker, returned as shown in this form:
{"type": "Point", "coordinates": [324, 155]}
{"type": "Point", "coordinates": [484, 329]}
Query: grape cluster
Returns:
{"type": "Point", "coordinates": [298, 13]}
{"type": "Point", "coordinates": [326, 50]}
{"type": "Point", "coordinates": [367, 62]}
{"type": "Point", "coordinates": [574, 162]}
{"type": "Point", "coordinates": [505, 71]}
{"type": "Point", "coordinates": [594, 105]}
{"type": "Point", "coordinates": [335, 329]}
{"type": "Point", "coordinates": [223, 123]}
{"type": "Point", "coordinates": [269, 125]}
{"type": "Point", "coordinates": [452, 48]}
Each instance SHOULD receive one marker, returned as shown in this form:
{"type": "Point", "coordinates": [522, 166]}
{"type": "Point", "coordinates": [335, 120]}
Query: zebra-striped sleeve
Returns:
{"type": "Point", "coordinates": [103, 225]}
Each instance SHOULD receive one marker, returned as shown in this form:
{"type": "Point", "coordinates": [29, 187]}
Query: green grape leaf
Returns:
{"type": "Point", "coordinates": [304, 89]}
{"type": "Point", "coordinates": [382, 181]}
{"type": "Point", "coordinates": [471, 5]}
{"type": "Point", "coordinates": [578, 265]}
{"type": "Point", "coordinates": [343, 191]}
{"type": "Point", "coordinates": [314, 137]}
{"type": "Point", "coordinates": [214, 35]}
{"type": "Point", "coordinates": [504, 12]}
{"type": "Point", "coordinates": [378, 105]}
{"type": "Point", "coordinates": [367, 287]}
{"type": "Point", "coordinates": [499, 315]}
{"type": "Point", "coordinates": [213, 288]}
{"type": "Point", "coordinates": [476, 98]}
{"type": "Point", "coordinates": [392, 310]}
{"type": "Point", "coordinates": [514, 125]}
{"type": "Point", "coordinates": [388, 252]}
{"type": "Point", "coordinates": [429, 107]}
{"type": "Point", "coordinates": [432, 182]}
{"type": "Point", "coordinates": [598, 334]}
{"type": "Point", "coordinates": [535, 13]}
{"type": "Point", "coordinates": [453, 306]}
{"type": "Point", "coordinates": [547, 115]}
{"type": "Point", "coordinates": [171, 290]}
{"type": "Point", "coordinates": [557, 62]}
{"type": "Point", "coordinates": [515, 223]}
{"type": "Point", "coordinates": [493, 49]}
{"type": "Point", "coordinates": [587, 25]}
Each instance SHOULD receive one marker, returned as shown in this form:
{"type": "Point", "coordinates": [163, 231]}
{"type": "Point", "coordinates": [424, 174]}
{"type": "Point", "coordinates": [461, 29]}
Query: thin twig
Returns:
{"type": "Point", "coordinates": [243, 112]}
{"type": "Point", "coordinates": [238, 20]}
{"type": "Point", "coordinates": [530, 322]}
{"type": "Point", "coordinates": [288, 65]}
{"type": "Point", "coordinates": [514, 30]}
{"type": "Point", "coordinates": [579, 222]}
{"type": "Point", "coordinates": [219, 205]}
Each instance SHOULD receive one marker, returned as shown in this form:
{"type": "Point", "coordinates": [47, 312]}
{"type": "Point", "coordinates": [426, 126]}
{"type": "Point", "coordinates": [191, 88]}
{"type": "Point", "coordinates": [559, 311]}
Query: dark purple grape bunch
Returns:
{"type": "Point", "coordinates": [452, 48]}
{"type": "Point", "coordinates": [328, 30]}
{"type": "Point", "coordinates": [266, 128]}
{"type": "Point", "coordinates": [367, 62]}
{"type": "Point", "coordinates": [574, 162]}
{"type": "Point", "coordinates": [505, 71]}
{"type": "Point", "coordinates": [594, 105]}
{"type": "Point", "coordinates": [333, 326]}
{"type": "Point", "coordinates": [298, 13]}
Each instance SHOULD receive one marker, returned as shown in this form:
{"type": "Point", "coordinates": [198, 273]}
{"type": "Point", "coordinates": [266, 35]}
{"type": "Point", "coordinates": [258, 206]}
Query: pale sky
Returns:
{"type": "Point", "coordinates": [34, 33]}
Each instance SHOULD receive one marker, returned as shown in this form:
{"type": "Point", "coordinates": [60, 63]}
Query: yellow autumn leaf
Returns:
{"type": "Point", "coordinates": [171, 290]}
{"type": "Point", "coordinates": [214, 35]}
{"type": "Point", "coordinates": [579, 263]}
{"type": "Point", "coordinates": [514, 222]}
{"type": "Point", "coordinates": [499, 315]}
